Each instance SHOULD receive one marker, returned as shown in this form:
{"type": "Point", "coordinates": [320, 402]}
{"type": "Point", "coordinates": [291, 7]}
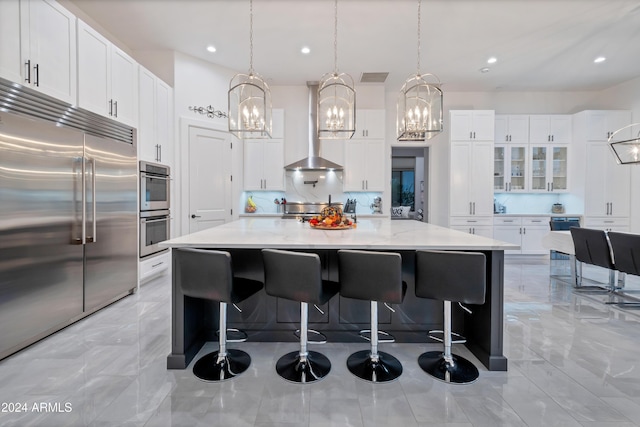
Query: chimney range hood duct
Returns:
{"type": "Point", "coordinates": [314, 162]}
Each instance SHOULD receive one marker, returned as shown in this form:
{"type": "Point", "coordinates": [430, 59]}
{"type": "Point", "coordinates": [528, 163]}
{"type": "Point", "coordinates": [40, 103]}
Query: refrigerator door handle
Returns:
{"type": "Point", "coordinates": [93, 237]}
{"type": "Point", "coordinates": [78, 187]}
{"type": "Point", "coordinates": [83, 240]}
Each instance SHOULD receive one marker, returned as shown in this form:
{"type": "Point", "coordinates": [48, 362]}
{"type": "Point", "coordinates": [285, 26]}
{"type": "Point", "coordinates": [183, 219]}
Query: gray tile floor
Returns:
{"type": "Point", "coordinates": [573, 361]}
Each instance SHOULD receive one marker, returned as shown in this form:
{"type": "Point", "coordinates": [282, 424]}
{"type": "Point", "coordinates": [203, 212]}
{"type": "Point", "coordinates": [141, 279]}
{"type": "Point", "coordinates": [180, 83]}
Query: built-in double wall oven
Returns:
{"type": "Point", "coordinates": [155, 206]}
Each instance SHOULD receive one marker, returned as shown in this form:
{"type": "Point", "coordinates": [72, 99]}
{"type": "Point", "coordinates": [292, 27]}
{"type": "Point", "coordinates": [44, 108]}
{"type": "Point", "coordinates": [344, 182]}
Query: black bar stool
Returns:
{"type": "Point", "coordinates": [373, 276]}
{"type": "Point", "coordinates": [592, 247]}
{"type": "Point", "coordinates": [626, 256]}
{"type": "Point", "coordinates": [297, 276]}
{"type": "Point", "coordinates": [450, 277]}
{"type": "Point", "coordinates": [209, 275]}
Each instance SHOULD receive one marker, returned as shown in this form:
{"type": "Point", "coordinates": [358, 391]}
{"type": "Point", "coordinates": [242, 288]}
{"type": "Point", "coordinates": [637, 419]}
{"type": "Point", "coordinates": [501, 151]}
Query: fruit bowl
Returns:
{"type": "Point", "coordinates": [331, 218]}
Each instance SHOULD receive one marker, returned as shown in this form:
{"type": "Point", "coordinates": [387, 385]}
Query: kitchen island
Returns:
{"type": "Point", "coordinates": [266, 318]}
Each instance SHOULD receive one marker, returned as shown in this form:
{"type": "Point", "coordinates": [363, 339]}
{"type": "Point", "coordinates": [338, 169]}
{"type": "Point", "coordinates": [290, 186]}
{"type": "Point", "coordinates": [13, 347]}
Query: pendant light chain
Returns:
{"type": "Point", "coordinates": [419, 4]}
{"type": "Point", "coordinates": [250, 37]}
{"type": "Point", "coordinates": [335, 38]}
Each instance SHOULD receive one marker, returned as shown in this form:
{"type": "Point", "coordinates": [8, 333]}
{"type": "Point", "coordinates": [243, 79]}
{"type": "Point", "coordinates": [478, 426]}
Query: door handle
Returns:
{"type": "Point", "coordinates": [195, 216]}
{"type": "Point", "coordinates": [111, 107]}
{"type": "Point", "coordinates": [115, 107]}
{"type": "Point", "coordinates": [78, 185]}
{"type": "Point", "coordinates": [92, 238]}
{"type": "Point", "coordinates": [28, 66]}
{"type": "Point", "coordinates": [36, 68]}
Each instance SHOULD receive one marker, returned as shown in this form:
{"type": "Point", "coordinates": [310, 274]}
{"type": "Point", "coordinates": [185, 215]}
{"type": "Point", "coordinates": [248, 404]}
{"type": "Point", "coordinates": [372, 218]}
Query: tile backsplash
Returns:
{"type": "Point", "coordinates": [318, 187]}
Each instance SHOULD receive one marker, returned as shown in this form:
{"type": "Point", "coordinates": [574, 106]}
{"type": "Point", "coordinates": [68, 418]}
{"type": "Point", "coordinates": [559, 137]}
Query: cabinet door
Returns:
{"type": "Point", "coordinates": [601, 124]}
{"type": "Point", "coordinates": [11, 65]}
{"type": "Point", "coordinates": [532, 240]}
{"type": "Point", "coordinates": [618, 186]}
{"type": "Point", "coordinates": [483, 125]}
{"type": "Point", "coordinates": [461, 125]}
{"type": "Point", "coordinates": [539, 129]}
{"type": "Point", "coordinates": [517, 168]}
{"type": "Point", "coordinates": [375, 164]}
{"type": "Point", "coordinates": [164, 121]}
{"type": "Point", "coordinates": [273, 164]}
{"type": "Point", "coordinates": [538, 162]}
{"type": "Point", "coordinates": [596, 202]}
{"type": "Point", "coordinates": [355, 171]}
{"type": "Point", "coordinates": [123, 87]}
{"type": "Point", "coordinates": [501, 130]}
{"type": "Point", "coordinates": [94, 78]}
{"type": "Point", "coordinates": [481, 181]}
{"type": "Point", "coordinates": [616, 120]}
{"type": "Point", "coordinates": [560, 128]}
{"type": "Point", "coordinates": [557, 168]}
{"type": "Point", "coordinates": [369, 123]}
{"type": "Point", "coordinates": [52, 47]}
{"type": "Point", "coordinates": [519, 129]}
{"type": "Point", "coordinates": [500, 181]}
{"type": "Point", "coordinates": [461, 173]}
{"type": "Point", "coordinates": [147, 149]}
{"type": "Point", "coordinates": [509, 234]}
{"type": "Point", "coordinates": [253, 164]}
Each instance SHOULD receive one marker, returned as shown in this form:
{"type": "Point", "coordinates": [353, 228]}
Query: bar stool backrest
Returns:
{"type": "Point", "coordinates": [451, 276]}
{"type": "Point", "coordinates": [292, 275]}
{"type": "Point", "coordinates": [626, 252]}
{"type": "Point", "coordinates": [370, 275]}
{"type": "Point", "coordinates": [591, 247]}
{"type": "Point", "coordinates": [202, 273]}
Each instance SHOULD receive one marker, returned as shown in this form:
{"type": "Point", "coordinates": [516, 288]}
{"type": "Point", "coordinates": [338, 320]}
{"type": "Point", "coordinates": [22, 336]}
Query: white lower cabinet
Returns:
{"type": "Point", "coordinates": [154, 266]}
{"type": "Point", "coordinates": [526, 232]}
{"type": "Point", "coordinates": [479, 225]}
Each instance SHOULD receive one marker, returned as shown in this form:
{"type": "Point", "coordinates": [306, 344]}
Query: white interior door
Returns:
{"type": "Point", "coordinates": [210, 199]}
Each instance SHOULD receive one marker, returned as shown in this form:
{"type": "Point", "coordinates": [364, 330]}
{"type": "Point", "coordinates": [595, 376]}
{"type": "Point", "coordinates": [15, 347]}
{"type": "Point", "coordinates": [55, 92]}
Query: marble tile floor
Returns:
{"type": "Point", "coordinates": [573, 361]}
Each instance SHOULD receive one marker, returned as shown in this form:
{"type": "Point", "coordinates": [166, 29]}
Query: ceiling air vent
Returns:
{"type": "Point", "coordinates": [373, 77]}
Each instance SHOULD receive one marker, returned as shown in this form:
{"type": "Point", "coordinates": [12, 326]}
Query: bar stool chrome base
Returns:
{"type": "Point", "coordinates": [461, 371]}
{"type": "Point", "coordinates": [294, 368]}
{"type": "Point", "coordinates": [208, 368]}
{"type": "Point", "coordinates": [386, 368]}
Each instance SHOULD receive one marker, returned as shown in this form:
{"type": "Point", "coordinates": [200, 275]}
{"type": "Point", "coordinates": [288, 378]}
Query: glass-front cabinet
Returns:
{"type": "Point", "coordinates": [548, 164]}
{"type": "Point", "coordinates": [510, 168]}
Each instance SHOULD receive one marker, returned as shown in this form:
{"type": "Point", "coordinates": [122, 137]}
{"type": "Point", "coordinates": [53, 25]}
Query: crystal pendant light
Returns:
{"type": "Point", "coordinates": [628, 151]}
{"type": "Point", "coordinates": [249, 99]}
{"type": "Point", "coordinates": [419, 114]}
{"type": "Point", "coordinates": [336, 99]}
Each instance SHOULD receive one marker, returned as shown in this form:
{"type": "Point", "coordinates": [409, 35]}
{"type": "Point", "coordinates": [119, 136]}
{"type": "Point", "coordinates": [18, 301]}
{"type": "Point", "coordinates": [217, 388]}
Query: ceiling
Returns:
{"type": "Point", "coordinates": [540, 45]}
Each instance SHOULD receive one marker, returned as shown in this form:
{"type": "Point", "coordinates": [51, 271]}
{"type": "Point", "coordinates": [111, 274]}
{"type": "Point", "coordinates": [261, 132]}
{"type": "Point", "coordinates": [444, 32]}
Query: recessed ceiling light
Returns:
{"type": "Point", "coordinates": [305, 50]}
{"type": "Point", "coordinates": [484, 70]}
{"type": "Point", "coordinates": [211, 48]}
{"type": "Point", "coordinates": [599, 59]}
{"type": "Point", "coordinates": [492, 60]}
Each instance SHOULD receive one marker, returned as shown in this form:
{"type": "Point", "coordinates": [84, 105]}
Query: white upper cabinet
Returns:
{"type": "Point", "coordinates": [602, 124]}
{"type": "Point", "coordinates": [38, 47]}
{"type": "Point", "coordinates": [364, 164]}
{"type": "Point", "coordinates": [510, 171]}
{"type": "Point", "coordinates": [264, 158]}
{"type": "Point", "coordinates": [554, 129]}
{"type": "Point", "coordinates": [512, 128]}
{"type": "Point", "coordinates": [369, 124]}
{"type": "Point", "coordinates": [107, 77]}
{"type": "Point", "coordinates": [471, 183]}
{"type": "Point", "coordinates": [155, 119]}
{"type": "Point", "coordinates": [472, 125]}
{"type": "Point", "coordinates": [548, 166]}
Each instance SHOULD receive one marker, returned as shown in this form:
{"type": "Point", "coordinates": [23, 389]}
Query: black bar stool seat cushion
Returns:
{"type": "Point", "coordinates": [591, 247]}
{"type": "Point", "coordinates": [626, 252]}
{"type": "Point", "coordinates": [371, 276]}
{"type": "Point", "coordinates": [296, 276]}
{"type": "Point", "coordinates": [451, 276]}
{"type": "Point", "coordinates": [208, 274]}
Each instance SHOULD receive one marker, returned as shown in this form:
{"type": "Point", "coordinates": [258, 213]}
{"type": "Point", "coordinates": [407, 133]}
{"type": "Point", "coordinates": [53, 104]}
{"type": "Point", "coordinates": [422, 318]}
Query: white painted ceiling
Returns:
{"type": "Point", "coordinates": [540, 45]}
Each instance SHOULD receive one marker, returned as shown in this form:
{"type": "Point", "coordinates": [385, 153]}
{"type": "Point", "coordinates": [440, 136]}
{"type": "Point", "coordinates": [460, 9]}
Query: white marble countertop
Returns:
{"type": "Point", "coordinates": [553, 215]}
{"type": "Point", "coordinates": [257, 233]}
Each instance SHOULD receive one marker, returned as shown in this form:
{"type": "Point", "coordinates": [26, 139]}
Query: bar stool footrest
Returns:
{"type": "Point", "coordinates": [366, 335]}
{"type": "Point", "coordinates": [438, 335]}
{"type": "Point", "coordinates": [243, 335]}
{"type": "Point", "coordinates": [322, 340]}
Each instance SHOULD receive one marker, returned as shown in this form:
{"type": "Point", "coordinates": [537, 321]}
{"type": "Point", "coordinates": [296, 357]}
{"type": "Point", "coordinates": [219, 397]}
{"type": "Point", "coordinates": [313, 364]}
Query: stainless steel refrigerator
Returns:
{"type": "Point", "coordinates": [68, 215]}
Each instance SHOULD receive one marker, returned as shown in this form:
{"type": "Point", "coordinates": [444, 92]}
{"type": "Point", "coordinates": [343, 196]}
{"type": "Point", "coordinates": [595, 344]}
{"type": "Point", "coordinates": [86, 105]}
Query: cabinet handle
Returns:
{"type": "Point", "coordinates": [506, 138]}
{"type": "Point", "coordinates": [115, 104]}
{"type": "Point", "coordinates": [157, 265]}
{"type": "Point", "coordinates": [474, 208]}
{"type": "Point", "coordinates": [36, 68]}
{"type": "Point", "coordinates": [367, 182]}
{"type": "Point", "coordinates": [505, 186]}
{"type": "Point", "coordinates": [160, 149]}
{"type": "Point", "coordinates": [524, 230]}
{"type": "Point", "coordinates": [265, 184]}
{"type": "Point", "coordinates": [509, 186]}
{"type": "Point", "coordinates": [553, 138]}
{"type": "Point", "coordinates": [470, 211]}
{"type": "Point", "coordinates": [111, 109]}
{"type": "Point", "coordinates": [474, 137]}
{"type": "Point", "coordinates": [28, 65]}
{"type": "Point", "coordinates": [552, 186]}
{"type": "Point", "coordinates": [470, 135]}
{"type": "Point", "coordinates": [547, 186]}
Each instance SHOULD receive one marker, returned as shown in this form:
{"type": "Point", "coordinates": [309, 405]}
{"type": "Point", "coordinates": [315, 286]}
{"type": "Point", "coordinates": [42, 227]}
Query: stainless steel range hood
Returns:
{"type": "Point", "coordinates": [313, 162]}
